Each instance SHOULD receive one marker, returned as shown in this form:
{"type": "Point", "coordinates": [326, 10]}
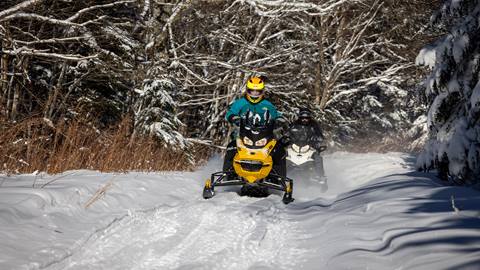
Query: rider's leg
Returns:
{"type": "Point", "coordinates": [229, 155]}
{"type": "Point", "coordinates": [320, 171]}
{"type": "Point", "coordinates": [279, 160]}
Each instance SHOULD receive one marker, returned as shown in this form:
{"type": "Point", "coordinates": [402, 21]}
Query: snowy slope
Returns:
{"type": "Point", "coordinates": [377, 214]}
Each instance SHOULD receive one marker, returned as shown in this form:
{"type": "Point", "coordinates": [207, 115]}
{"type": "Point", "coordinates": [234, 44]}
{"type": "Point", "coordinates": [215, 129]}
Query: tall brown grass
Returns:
{"type": "Point", "coordinates": [35, 144]}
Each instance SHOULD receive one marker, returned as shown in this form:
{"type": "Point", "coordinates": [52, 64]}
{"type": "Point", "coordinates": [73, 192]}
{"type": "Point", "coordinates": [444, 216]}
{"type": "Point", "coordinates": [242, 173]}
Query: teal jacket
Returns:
{"type": "Point", "coordinates": [242, 106]}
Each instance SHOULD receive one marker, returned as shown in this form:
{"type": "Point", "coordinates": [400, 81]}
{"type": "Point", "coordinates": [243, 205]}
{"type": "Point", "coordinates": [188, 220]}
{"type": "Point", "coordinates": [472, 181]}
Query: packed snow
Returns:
{"type": "Point", "coordinates": [377, 214]}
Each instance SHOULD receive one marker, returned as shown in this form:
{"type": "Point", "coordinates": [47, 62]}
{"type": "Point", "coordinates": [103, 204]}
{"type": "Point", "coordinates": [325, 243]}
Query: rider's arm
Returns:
{"type": "Point", "coordinates": [234, 111]}
{"type": "Point", "coordinates": [274, 113]}
{"type": "Point", "coordinates": [318, 131]}
{"type": "Point", "coordinates": [319, 141]}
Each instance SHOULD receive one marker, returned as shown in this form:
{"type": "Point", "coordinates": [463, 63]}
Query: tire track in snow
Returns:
{"type": "Point", "coordinates": [229, 232]}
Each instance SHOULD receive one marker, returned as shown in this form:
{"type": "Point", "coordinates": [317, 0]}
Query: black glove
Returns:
{"type": "Point", "coordinates": [281, 123]}
{"type": "Point", "coordinates": [280, 127]}
{"type": "Point", "coordinates": [234, 119]}
{"type": "Point", "coordinates": [319, 146]}
{"type": "Point", "coordinates": [285, 140]}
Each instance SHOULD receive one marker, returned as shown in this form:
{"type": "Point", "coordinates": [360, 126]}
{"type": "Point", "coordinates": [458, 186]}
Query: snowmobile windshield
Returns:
{"type": "Point", "coordinates": [257, 135]}
{"type": "Point", "coordinates": [300, 136]}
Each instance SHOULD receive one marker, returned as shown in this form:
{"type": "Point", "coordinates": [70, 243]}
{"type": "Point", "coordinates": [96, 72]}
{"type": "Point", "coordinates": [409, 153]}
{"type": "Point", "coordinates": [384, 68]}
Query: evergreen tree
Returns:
{"type": "Point", "coordinates": [155, 112]}
{"type": "Point", "coordinates": [454, 92]}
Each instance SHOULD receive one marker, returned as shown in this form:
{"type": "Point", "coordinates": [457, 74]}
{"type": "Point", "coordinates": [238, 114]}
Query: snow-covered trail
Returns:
{"type": "Point", "coordinates": [377, 214]}
{"type": "Point", "coordinates": [193, 234]}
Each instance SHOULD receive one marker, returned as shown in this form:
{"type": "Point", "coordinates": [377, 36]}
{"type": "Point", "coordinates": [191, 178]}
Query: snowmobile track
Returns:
{"type": "Point", "coordinates": [231, 232]}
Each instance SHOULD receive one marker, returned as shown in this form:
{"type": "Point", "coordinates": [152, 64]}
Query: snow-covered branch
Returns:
{"type": "Point", "coordinates": [30, 52]}
{"type": "Point", "coordinates": [39, 18]}
{"type": "Point", "coordinates": [88, 9]}
{"type": "Point", "coordinates": [295, 6]}
{"type": "Point", "coordinates": [18, 7]}
{"type": "Point", "coordinates": [52, 40]}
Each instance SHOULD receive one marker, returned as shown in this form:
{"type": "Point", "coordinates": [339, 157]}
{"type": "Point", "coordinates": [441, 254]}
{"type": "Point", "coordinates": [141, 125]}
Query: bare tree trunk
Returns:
{"type": "Point", "coordinates": [319, 75]}
{"type": "Point", "coordinates": [339, 55]}
{"type": "Point", "coordinates": [340, 36]}
{"type": "Point", "coordinates": [215, 114]}
{"type": "Point", "coordinates": [9, 91]}
{"type": "Point", "coordinates": [50, 106]}
{"type": "Point", "coordinates": [16, 98]}
{"type": "Point", "coordinates": [4, 78]}
{"type": "Point", "coordinates": [17, 90]}
{"type": "Point", "coordinates": [326, 94]}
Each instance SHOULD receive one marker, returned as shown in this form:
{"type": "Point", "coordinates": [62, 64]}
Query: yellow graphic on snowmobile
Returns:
{"type": "Point", "coordinates": [253, 164]}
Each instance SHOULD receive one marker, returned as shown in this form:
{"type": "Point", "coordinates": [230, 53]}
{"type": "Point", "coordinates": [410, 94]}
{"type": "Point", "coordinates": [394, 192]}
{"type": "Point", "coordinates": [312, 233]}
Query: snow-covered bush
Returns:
{"type": "Point", "coordinates": [454, 91]}
{"type": "Point", "coordinates": [155, 112]}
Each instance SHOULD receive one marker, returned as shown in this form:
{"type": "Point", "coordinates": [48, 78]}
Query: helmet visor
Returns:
{"type": "Point", "coordinates": [304, 120]}
{"type": "Point", "coordinates": [254, 93]}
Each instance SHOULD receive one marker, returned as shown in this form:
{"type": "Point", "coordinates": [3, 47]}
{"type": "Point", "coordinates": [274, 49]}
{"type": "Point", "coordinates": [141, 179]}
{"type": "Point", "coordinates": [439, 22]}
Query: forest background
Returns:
{"type": "Point", "coordinates": [117, 85]}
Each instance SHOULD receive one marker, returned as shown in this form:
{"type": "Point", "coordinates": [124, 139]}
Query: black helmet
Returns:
{"type": "Point", "coordinates": [305, 113]}
{"type": "Point", "coordinates": [305, 116]}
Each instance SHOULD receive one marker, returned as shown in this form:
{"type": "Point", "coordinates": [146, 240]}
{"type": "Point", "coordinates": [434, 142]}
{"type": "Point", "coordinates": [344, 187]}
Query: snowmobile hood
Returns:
{"type": "Point", "coordinates": [253, 164]}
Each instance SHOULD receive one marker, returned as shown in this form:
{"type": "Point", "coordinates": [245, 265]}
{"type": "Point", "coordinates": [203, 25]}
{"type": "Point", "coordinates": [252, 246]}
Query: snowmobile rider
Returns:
{"type": "Point", "coordinates": [253, 101]}
{"type": "Point", "coordinates": [311, 128]}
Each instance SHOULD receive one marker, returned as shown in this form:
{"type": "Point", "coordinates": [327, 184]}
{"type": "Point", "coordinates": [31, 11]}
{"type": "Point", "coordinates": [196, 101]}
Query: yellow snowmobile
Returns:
{"type": "Point", "coordinates": [252, 165]}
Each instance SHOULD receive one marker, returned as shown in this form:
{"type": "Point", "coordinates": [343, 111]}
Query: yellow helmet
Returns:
{"type": "Point", "coordinates": [255, 89]}
{"type": "Point", "coordinates": [255, 83]}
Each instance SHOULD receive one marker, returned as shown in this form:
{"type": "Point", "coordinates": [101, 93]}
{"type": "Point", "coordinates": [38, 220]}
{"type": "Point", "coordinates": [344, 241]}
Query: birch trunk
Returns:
{"type": "Point", "coordinates": [17, 89]}
{"type": "Point", "coordinates": [15, 101]}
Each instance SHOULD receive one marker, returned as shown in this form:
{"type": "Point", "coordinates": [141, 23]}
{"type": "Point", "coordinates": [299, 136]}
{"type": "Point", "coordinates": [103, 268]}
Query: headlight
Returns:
{"type": "Point", "coordinates": [247, 141]}
{"type": "Point", "coordinates": [305, 148]}
{"type": "Point", "coordinates": [295, 148]}
{"type": "Point", "coordinates": [261, 142]}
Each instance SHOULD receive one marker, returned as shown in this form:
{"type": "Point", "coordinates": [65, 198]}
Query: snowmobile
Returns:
{"type": "Point", "coordinates": [252, 164]}
{"type": "Point", "coordinates": [300, 158]}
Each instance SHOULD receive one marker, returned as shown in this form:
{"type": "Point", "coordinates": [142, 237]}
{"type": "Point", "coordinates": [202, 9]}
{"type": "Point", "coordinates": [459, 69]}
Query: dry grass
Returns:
{"type": "Point", "coordinates": [36, 144]}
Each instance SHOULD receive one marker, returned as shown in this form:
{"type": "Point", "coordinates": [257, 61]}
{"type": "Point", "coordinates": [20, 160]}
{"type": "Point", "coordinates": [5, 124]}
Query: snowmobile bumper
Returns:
{"type": "Point", "coordinates": [275, 182]}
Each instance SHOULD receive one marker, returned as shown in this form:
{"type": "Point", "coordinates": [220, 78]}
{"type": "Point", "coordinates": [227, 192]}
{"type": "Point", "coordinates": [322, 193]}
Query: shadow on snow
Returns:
{"type": "Point", "coordinates": [446, 218]}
